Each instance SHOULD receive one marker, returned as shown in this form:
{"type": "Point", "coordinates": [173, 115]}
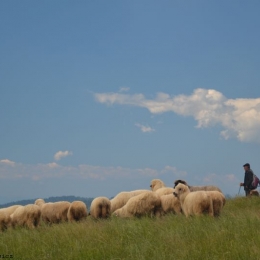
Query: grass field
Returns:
{"type": "Point", "coordinates": [234, 235]}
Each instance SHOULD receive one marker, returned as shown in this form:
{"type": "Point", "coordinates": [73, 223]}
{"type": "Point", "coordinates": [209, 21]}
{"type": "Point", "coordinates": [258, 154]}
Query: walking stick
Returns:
{"type": "Point", "coordinates": [239, 190]}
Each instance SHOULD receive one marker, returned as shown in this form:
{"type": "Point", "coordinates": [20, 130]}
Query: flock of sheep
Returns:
{"type": "Point", "coordinates": [160, 200]}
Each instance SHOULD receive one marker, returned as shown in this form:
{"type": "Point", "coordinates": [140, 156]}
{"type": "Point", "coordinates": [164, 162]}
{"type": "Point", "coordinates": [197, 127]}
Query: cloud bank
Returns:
{"type": "Point", "coordinates": [82, 171]}
{"type": "Point", "coordinates": [240, 118]}
{"type": "Point", "coordinates": [125, 178]}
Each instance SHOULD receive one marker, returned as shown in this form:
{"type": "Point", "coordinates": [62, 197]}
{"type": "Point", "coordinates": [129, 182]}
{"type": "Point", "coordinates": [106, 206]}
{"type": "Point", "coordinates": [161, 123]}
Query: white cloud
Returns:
{"type": "Point", "coordinates": [53, 165]}
{"type": "Point", "coordinates": [7, 162]}
{"type": "Point", "coordinates": [145, 129]}
{"type": "Point", "coordinates": [61, 154]}
{"type": "Point", "coordinates": [240, 118]}
{"type": "Point", "coordinates": [124, 89]}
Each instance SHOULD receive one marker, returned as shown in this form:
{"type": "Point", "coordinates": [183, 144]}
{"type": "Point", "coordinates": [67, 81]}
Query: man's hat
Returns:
{"type": "Point", "coordinates": [247, 164]}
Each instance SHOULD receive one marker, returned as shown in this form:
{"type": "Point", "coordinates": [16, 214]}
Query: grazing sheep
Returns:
{"type": "Point", "coordinates": [100, 208]}
{"type": "Point", "coordinates": [28, 216]}
{"type": "Point", "coordinates": [5, 219]}
{"type": "Point", "coordinates": [39, 202]}
{"type": "Point", "coordinates": [144, 204]}
{"type": "Point", "coordinates": [253, 193]}
{"type": "Point", "coordinates": [53, 212]}
{"type": "Point", "coordinates": [121, 198]}
{"type": "Point", "coordinates": [164, 191]}
{"type": "Point", "coordinates": [218, 200]}
{"type": "Point", "coordinates": [156, 184]}
{"type": "Point", "coordinates": [170, 204]}
{"type": "Point", "coordinates": [193, 203]}
{"type": "Point", "coordinates": [77, 211]}
{"type": "Point", "coordinates": [197, 188]}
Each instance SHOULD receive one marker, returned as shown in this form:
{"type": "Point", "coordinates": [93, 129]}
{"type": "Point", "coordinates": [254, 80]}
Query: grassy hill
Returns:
{"type": "Point", "coordinates": [234, 235]}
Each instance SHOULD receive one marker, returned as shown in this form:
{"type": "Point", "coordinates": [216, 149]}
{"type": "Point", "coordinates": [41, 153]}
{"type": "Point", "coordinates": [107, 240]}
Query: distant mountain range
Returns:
{"type": "Point", "coordinates": [87, 201]}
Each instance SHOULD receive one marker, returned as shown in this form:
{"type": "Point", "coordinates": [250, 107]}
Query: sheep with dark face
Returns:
{"type": "Point", "coordinates": [197, 188]}
{"type": "Point", "coordinates": [193, 203]}
{"type": "Point", "coordinates": [218, 198]}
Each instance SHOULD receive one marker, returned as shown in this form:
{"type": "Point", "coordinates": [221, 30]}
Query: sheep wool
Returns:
{"type": "Point", "coordinates": [100, 208]}
{"type": "Point", "coordinates": [121, 198]}
{"type": "Point", "coordinates": [194, 203]}
{"type": "Point", "coordinates": [5, 219]}
{"type": "Point", "coordinates": [198, 188]}
{"type": "Point", "coordinates": [28, 216]}
{"type": "Point", "coordinates": [165, 191]}
{"type": "Point", "coordinates": [156, 184]}
{"type": "Point", "coordinates": [77, 211]}
{"type": "Point", "coordinates": [170, 204]}
{"type": "Point", "coordinates": [53, 212]}
{"type": "Point", "coordinates": [218, 200]}
{"type": "Point", "coordinates": [144, 204]}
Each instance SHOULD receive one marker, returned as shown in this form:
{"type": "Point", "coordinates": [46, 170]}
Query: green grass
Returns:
{"type": "Point", "coordinates": [234, 235]}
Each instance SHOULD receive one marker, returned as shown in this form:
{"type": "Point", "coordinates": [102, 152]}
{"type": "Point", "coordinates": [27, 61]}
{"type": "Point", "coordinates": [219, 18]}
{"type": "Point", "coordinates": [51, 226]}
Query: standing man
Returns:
{"type": "Point", "coordinates": [247, 179]}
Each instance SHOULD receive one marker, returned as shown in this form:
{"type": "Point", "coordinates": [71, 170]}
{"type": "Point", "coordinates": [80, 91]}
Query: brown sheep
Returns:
{"type": "Point", "coordinates": [144, 204]}
{"type": "Point", "coordinates": [253, 193]}
{"type": "Point", "coordinates": [77, 211]}
{"type": "Point", "coordinates": [28, 216]}
{"type": "Point", "coordinates": [5, 219]}
{"type": "Point", "coordinates": [100, 208]}
{"type": "Point", "coordinates": [53, 212]}
{"type": "Point", "coordinates": [193, 203]}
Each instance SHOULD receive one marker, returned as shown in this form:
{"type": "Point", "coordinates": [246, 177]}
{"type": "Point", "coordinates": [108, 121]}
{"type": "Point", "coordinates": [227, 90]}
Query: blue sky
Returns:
{"type": "Point", "coordinates": [99, 97]}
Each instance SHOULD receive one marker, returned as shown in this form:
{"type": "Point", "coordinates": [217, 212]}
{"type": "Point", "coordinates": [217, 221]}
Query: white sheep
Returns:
{"type": "Point", "coordinates": [100, 208]}
{"type": "Point", "coordinates": [121, 198]}
{"type": "Point", "coordinates": [156, 184]}
{"type": "Point", "coordinates": [164, 191]}
{"type": "Point", "coordinates": [28, 215]}
{"type": "Point", "coordinates": [144, 204]}
{"type": "Point", "coordinates": [170, 204]}
{"type": "Point", "coordinates": [218, 200]}
{"type": "Point", "coordinates": [39, 202]}
{"type": "Point", "coordinates": [53, 212]}
{"type": "Point", "coordinates": [77, 211]}
{"type": "Point", "coordinates": [193, 203]}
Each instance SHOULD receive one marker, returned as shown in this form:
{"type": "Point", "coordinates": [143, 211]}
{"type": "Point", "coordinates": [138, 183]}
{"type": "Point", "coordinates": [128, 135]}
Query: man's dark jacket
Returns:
{"type": "Point", "coordinates": [248, 179]}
